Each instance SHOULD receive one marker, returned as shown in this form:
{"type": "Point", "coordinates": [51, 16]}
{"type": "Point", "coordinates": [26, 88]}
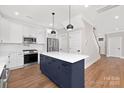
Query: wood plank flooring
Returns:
{"type": "Point", "coordinates": [105, 73]}
{"type": "Point", "coordinates": [29, 77]}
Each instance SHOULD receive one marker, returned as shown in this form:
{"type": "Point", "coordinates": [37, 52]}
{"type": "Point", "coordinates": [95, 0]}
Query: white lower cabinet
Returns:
{"type": "Point", "coordinates": [16, 60]}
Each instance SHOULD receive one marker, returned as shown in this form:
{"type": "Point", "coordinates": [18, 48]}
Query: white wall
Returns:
{"type": "Point", "coordinates": [91, 48]}
{"type": "Point", "coordinates": [63, 42]}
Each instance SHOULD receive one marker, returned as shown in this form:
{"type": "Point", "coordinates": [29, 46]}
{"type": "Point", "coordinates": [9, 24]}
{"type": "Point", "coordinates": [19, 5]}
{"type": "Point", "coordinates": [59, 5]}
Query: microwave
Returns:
{"type": "Point", "coordinates": [29, 40]}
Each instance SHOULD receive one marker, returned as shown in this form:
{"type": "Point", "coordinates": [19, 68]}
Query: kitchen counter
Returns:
{"type": "Point", "coordinates": [3, 62]}
{"type": "Point", "coordinates": [71, 58]}
{"type": "Point", "coordinates": [64, 69]}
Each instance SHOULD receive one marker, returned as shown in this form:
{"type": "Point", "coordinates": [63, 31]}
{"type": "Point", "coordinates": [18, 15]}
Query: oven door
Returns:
{"type": "Point", "coordinates": [30, 58]}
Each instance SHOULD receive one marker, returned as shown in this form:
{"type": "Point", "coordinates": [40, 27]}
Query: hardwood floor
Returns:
{"type": "Point", "coordinates": [29, 77]}
{"type": "Point", "coordinates": [105, 73]}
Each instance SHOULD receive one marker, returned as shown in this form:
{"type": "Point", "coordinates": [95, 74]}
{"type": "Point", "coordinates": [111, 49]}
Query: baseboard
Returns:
{"type": "Point", "coordinates": [17, 67]}
{"type": "Point", "coordinates": [13, 68]}
{"type": "Point", "coordinates": [115, 57]}
{"type": "Point", "coordinates": [122, 57]}
{"type": "Point", "coordinates": [107, 55]}
{"type": "Point", "coordinates": [92, 62]}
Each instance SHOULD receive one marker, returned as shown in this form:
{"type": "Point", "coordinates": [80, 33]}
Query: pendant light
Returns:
{"type": "Point", "coordinates": [53, 31]}
{"type": "Point", "coordinates": [70, 26]}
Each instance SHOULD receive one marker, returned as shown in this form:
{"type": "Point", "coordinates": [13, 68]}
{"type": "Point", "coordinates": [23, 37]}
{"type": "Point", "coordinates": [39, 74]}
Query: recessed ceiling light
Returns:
{"type": "Point", "coordinates": [16, 13]}
{"type": "Point", "coordinates": [116, 17]}
{"type": "Point", "coordinates": [86, 6]}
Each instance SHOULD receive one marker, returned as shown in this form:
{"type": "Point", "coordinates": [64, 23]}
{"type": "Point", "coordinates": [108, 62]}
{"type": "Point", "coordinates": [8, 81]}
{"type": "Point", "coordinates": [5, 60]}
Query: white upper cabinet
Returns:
{"type": "Point", "coordinates": [11, 32]}
{"type": "Point", "coordinates": [25, 31]}
{"type": "Point", "coordinates": [4, 31]}
{"type": "Point", "coordinates": [16, 33]}
{"type": "Point", "coordinates": [41, 36]}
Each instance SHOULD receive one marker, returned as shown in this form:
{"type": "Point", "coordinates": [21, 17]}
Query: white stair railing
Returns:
{"type": "Point", "coordinates": [93, 33]}
{"type": "Point", "coordinates": [96, 38]}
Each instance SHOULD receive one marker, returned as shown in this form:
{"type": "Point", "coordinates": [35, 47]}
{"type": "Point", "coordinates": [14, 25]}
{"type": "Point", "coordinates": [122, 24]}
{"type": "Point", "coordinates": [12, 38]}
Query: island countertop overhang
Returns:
{"type": "Point", "coordinates": [69, 57]}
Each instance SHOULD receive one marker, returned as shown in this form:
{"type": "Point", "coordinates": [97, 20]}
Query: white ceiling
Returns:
{"type": "Point", "coordinates": [107, 23]}
{"type": "Point", "coordinates": [41, 15]}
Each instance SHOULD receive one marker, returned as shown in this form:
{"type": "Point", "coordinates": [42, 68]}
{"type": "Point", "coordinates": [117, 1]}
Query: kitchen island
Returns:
{"type": "Point", "coordinates": [64, 69]}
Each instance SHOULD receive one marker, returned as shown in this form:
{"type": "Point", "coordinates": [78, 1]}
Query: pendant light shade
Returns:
{"type": "Point", "coordinates": [70, 26]}
{"type": "Point", "coordinates": [53, 31]}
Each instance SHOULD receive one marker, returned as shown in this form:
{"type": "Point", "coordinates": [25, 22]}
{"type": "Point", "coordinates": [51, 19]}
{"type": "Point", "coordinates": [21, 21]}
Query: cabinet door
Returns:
{"type": "Point", "coordinates": [12, 60]}
{"type": "Point", "coordinates": [48, 64]}
{"type": "Point", "coordinates": [65, 74]}
{"type": "Point", "coordinates": [54, 66]}
{"type": "Point", "coordinates": [42, 63]}
{"type": "Point", "coordinates": [41, 37]}
{"type": "Point", "coordinates": [19, 59]}
{"type": "Point", "coordinates": [10, 32]}
{"type": "Point", "coordinates": [29, 31]}
{"type": "Point", "coordinates": [25, 31]}
{"type": "Point", "coordinates": [16, 33]}
{"type": "Point", "coordinates": [4, 31]}
{"type": "Point", "coordinates": [16, 60]}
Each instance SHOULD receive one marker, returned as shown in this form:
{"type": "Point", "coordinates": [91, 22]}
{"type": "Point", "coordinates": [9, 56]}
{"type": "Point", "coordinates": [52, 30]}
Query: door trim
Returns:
{"type": "Point", "coordinates": [108, 47]}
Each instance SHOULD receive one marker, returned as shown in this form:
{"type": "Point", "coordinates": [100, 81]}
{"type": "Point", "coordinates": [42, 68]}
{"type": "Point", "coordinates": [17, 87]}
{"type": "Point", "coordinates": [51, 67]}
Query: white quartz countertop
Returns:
{"type": "Point", "coordinates": [3, 62]}
{"type": "Point", "coordinates": [71, 58]}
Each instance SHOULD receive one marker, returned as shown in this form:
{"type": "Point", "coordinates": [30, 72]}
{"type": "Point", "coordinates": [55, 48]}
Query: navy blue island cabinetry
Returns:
{"type": "Point", "coordinates": [65, 74]}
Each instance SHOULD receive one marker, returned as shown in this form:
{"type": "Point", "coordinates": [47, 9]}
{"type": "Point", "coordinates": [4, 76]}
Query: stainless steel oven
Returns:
{"type": "Point", "coordinates": [30, 56]}
{"type": "Point", "coordinates": [4, 77]}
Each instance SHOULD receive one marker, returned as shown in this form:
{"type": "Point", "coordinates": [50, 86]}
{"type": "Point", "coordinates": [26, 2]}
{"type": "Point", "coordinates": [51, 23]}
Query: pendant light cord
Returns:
{"type": "Point", "coordinates": [53, 20]}
{"type": "Point", "coordinates": [69, 14]}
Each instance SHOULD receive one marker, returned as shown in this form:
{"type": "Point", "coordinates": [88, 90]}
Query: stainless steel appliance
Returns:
{"type": "Point", "coordinates": [52, 44]}
{"type": "Point", "coordinates": [29, 40]}
{"type": "Point", "coordinates": [4, 77]}
{"type": "Point", "coordinates": [30, 56]}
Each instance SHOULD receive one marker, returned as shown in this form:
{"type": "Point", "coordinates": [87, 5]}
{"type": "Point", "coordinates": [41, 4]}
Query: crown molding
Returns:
{"type": "Point", "coordinates": [22, 22]}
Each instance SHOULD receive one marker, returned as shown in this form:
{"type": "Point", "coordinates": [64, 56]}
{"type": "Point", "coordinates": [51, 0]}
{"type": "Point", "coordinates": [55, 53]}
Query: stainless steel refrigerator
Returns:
{"type": "Point", "coordinates": [52, 45]}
